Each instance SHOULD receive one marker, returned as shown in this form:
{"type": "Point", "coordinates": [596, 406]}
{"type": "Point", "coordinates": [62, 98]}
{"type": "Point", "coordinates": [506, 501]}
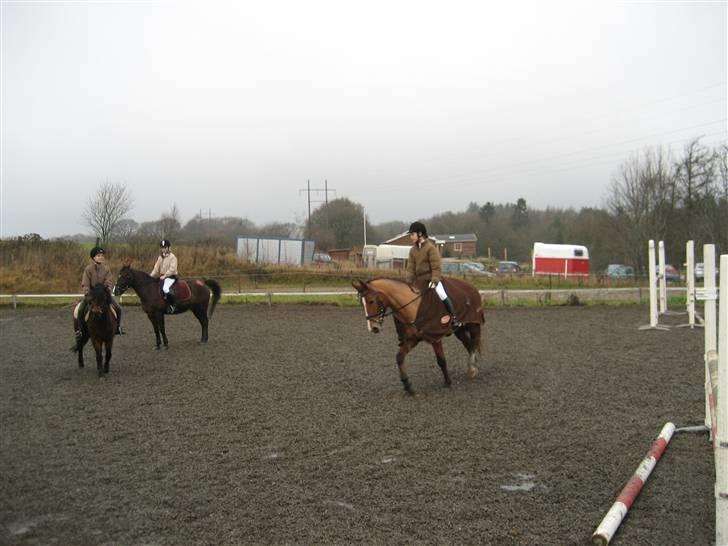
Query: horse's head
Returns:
{"type": "Point", "coordinates": [375, 307]}
{"type": "Point", "coordinates": [124, 280]}
{"type": "Point", "coordinates": [99, 300]}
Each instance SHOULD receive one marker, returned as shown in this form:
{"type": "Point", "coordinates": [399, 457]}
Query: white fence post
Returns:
{"type": "Point", "coordinates": [662, 280]}
{"type": "Point", "coordinates": [721, 441]}
{"type": "Point", "coordinates": [690, 277]}
{"type": "Point", "coordinates": [651, 273]}
{"type": "Point", "coordinates": [708, 294]}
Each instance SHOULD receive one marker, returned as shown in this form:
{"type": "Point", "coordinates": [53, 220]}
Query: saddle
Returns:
{"type": "Point", "coordinates": [433, 319]}
{"type": "Point", "coordinates": [180, 289]}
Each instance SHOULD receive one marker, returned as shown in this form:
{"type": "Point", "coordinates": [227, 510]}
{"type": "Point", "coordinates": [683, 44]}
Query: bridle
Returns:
{"type": "Point", "coordinates": [382, 312]}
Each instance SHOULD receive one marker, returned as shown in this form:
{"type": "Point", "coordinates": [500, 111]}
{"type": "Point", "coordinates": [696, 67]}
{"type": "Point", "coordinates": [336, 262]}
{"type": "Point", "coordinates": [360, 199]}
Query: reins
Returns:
{"type": "Point", "coordinates": [383, 313]}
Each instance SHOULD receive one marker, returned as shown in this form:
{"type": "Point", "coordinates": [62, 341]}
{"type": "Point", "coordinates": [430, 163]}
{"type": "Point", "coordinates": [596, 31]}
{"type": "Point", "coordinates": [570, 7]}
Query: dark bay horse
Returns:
{"type": "Point", "coordinates": [153, 304]}
{"type": "Point", "coordinates": [100, 328]}
{"type": "Point", "coordinates": [421, 316]}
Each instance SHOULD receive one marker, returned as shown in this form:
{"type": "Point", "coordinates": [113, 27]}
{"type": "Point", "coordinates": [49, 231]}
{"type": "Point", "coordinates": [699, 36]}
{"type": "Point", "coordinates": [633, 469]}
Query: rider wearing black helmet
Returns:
{"type": "Point", "coordinates": [97, 272]}
{"type": "Point", "coordinates": [424, 267]}
{"type": "Point", "coordinates": [166, 270]}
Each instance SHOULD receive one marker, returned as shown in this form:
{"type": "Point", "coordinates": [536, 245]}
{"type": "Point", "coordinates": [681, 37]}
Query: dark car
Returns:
{"type": "Point", "coordinates": [508, 268]}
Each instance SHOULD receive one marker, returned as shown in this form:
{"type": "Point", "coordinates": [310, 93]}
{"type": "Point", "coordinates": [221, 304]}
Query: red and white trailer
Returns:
{"type": "Point", "coordinates": [566, 260]}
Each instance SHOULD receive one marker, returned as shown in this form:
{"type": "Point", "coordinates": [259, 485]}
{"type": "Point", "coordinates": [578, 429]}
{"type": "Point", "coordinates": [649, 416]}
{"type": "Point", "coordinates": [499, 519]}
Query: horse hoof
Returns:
{"type": "Point", "coordinates": [472, 372]}
{"type": "Point", "coordinates": [156, 347]}
{"type": "Point", "coordinates": [165, 347]}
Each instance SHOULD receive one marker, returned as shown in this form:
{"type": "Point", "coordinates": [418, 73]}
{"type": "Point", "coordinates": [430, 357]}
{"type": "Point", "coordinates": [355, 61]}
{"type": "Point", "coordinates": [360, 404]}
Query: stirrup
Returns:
{"type": "Point", "coordinates": [171, 309]}
{"type": "Point", "coordinates": [455, 323]}
{"type": "Point", "coordinates": [78, 334]}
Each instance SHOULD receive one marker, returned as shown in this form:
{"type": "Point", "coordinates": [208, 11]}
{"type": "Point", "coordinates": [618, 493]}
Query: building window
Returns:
{"type": "Point", "coordinates": [458, 247]}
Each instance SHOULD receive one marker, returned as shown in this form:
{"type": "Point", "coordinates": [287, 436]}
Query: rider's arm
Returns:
{"type": "Point", "coordinates": [172, 269]}
{"type": "Point", "coordinates": [435, 264]}
{"type": "Point", "coordinates": [86, 281]}
{"type": "Point", "coordinates": [156, 271]}
{"type": "Point", "coordinates": [411, 266]}
{"type": "Point", "coordinates": [108, 280]}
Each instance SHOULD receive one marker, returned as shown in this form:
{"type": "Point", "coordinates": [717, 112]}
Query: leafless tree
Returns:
{"type": "Point", "coordinates": [695, 177]}
{"type": "Point", "coordinates": [170, 223]}
{"type": "Point", "coordinates": [642, 199]}
{"type": "Point", "coordinates": [106, 208]}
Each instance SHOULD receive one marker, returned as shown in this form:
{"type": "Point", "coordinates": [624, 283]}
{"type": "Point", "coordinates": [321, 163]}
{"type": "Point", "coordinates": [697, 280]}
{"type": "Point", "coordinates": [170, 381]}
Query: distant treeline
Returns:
{"type": "Point", "coordinates": [653, 196]}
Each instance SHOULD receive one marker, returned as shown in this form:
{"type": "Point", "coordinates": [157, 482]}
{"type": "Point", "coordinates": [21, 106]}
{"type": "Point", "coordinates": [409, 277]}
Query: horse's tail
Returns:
{"type": "Point", "coordinates": [216, 293]}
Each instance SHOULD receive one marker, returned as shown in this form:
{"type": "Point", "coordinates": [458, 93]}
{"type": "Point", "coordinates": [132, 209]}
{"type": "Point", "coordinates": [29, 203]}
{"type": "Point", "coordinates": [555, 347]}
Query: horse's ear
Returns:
{"type": "Point", "coordinates": [359, 285]}
{"type": "Point", "coordinates": [126, 262]}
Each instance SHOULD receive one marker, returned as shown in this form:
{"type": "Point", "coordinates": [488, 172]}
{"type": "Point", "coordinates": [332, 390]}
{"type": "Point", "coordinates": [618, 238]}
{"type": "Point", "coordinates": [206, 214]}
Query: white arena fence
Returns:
{"type": "Point", "coordinates": [541, 296]}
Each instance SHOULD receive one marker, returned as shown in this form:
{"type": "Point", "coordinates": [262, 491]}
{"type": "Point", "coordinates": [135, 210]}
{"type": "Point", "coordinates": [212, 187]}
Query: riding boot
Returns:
{"type": "Point", "coordinates": [119, 330]}
{"type": "Point", "coordinates": [79, 322]}
{"type": "Point", "coordinates": [170, 303]}
{"type": "Point", "coordinates": [77, 328]}
{"type": "Point", "coordinates": [454, 322]}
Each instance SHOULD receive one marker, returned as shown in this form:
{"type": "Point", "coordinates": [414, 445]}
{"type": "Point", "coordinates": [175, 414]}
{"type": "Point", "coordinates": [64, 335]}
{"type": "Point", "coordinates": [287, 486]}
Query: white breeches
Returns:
{"type": "Point", "coordinates": [167, 284]}
{"type": "Point", "coordinates": [441, 291]}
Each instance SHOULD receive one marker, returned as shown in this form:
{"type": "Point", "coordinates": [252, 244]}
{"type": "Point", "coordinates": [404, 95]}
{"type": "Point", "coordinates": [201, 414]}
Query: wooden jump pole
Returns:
{"type": "Point", "coordinates": [626, 498]}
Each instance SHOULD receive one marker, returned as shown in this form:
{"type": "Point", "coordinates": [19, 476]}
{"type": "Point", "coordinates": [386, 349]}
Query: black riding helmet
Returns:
{"type": "Point", "coordinates": [164, 243]}
{"type": "Point", "coordinates": [96, 250]}
{"type": "Point", "coordinates": [418, 227]}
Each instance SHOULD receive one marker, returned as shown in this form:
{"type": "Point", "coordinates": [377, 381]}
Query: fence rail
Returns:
{"type": "Point", "coordinates": [541, 296]}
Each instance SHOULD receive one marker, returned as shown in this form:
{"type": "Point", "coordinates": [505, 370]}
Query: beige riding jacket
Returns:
{"type": "Point", "coordinates": [424, 263]}
{"type": "Point", "coordinates": [166, 266]}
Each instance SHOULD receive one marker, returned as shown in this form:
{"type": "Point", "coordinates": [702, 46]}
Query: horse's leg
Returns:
{"type": "Point", "coordinates": [163, 331]}
{"type": "Point", "coordinates": [109, 345]}
{"type": "Point", "coordinates": [469, 336]}
{"type": "Point", "coordinates": [99, 357]}
{"type": "Point", "coordinates": [440, 355]}
{"type": "Point", "coordinates": [154, 319]}
{"type": "Point", "coordinates": [80, 342]}
{"type": "Point", "coordinates": [404, 348]}
{"type": "Point", "coordinates": [201, 313]}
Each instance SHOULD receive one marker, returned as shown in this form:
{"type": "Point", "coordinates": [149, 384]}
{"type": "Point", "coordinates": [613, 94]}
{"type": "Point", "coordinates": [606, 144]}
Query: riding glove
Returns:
{"type": "Point", "coordinates": [432, 284]}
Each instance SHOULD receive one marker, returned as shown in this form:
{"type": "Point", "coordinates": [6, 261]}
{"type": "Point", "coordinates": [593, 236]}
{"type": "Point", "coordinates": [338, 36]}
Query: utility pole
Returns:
{"type": "Point", "coordinates": [308, 189]}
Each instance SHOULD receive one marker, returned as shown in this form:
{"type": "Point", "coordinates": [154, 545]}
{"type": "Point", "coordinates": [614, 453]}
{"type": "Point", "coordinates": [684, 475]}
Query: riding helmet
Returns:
{"type": "Point", "coordinates": [96, 250]}
{"type": "Point", "coordinates": [418, 227]}
{"type": "Point", "coordinates": [164, 243]}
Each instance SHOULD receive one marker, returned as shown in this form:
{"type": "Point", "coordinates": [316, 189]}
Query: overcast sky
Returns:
{"type": "Point", "coordinates": [410, 108]}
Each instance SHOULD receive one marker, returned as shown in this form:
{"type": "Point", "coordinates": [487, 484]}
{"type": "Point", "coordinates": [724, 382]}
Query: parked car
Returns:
{"type": "Point", "coordinates": [699, 271]}
{"type": "Point", "coordinates": [672, 274]}
{"type": "Point", "coordinates": [466, 268]}
{"type": "Point", "coordinates": [323, 258]}
{"type": "Point", "coordinates": [508, 268]}
{"type": "Point", "coordinates": [620, 271]}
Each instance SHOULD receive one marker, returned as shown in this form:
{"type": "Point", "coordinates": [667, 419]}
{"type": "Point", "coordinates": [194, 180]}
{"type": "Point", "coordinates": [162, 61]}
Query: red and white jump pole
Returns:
{"type": "Point", "coordinates": [626, 498]}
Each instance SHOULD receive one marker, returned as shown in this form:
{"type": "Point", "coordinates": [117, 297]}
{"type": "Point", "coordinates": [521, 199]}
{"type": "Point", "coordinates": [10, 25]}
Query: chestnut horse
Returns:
{"type": "Point", "coordinates": [100, 328]}
{"type": "Point", "coordinates": [153, 304]}
{"type": "Point", "coordinates": [421, 316]}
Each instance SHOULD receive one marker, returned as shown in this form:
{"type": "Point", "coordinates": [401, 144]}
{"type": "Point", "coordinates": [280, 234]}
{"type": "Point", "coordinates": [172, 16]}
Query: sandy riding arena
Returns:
{"type": "Point", "coordinates": [291, 427]}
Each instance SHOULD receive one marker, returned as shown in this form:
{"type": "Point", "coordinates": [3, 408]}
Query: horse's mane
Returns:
{"type": "Point", "coordinates": [100, 294]}
{"type": "Point", "coordinates": [398, 281]}
{"type": "Point", "coordinates": [142, 274]}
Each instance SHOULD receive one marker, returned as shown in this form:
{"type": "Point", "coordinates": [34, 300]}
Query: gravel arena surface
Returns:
{"type": "Point", "coordinates": [291, 427]}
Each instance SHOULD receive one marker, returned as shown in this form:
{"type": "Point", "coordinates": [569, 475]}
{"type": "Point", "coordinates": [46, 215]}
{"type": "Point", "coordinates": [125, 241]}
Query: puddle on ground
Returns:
{"type": "Point", "coordinates": [521, 482]}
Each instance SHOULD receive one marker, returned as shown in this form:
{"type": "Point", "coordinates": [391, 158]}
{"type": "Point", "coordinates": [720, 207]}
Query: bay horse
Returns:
{"type": "Point", "coordinates": [153, 304]}
{"type": "Point", "coordinates": [100, 327]}
{"type": "Point", "coordinates": [421, 316]}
